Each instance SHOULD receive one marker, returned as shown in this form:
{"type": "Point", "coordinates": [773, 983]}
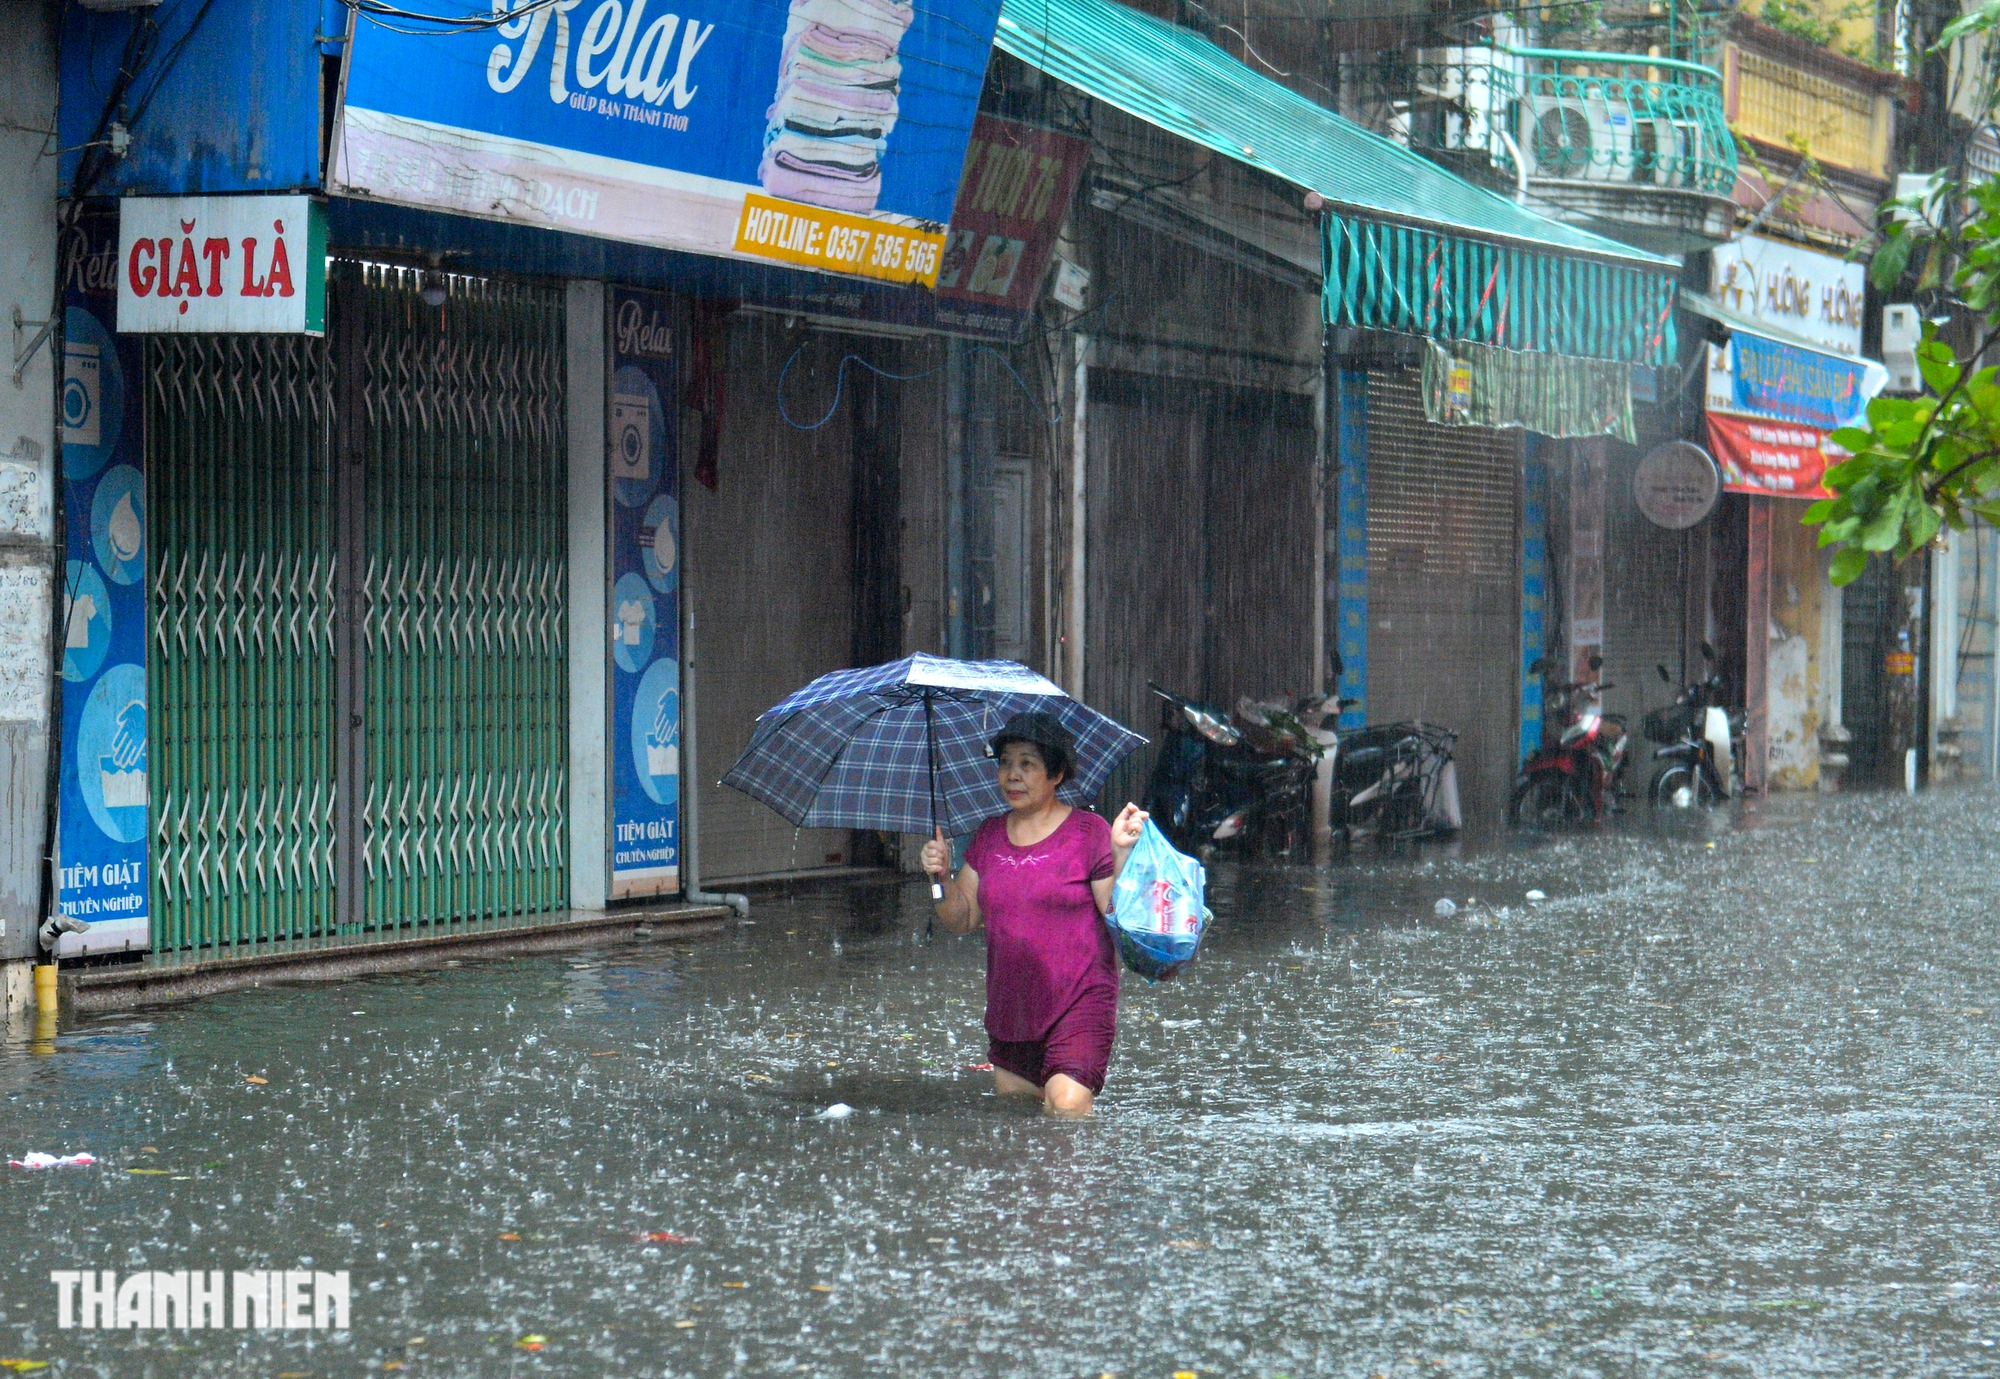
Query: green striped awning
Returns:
{"type": "Point", "coordinates": [1408, 246]}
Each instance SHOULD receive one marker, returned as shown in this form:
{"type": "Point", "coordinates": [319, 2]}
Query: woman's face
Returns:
{"type": "Point", "coordinates": [1025, 778]}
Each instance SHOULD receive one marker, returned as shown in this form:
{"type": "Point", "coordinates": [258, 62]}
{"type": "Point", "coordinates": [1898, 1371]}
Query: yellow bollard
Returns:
{"type": "Point", "coordinates": [44, 1042]}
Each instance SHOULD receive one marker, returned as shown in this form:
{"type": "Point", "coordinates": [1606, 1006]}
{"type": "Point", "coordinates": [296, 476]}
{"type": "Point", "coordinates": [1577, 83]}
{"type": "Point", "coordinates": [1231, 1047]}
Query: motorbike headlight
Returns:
{"type": "Point", "coordinates": [1222, 734]}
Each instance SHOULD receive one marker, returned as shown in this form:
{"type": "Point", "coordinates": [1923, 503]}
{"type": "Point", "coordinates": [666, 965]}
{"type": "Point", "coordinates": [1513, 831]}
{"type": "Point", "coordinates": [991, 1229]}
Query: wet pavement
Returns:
{"type": "Point", "coordinates": [1720, 1105]}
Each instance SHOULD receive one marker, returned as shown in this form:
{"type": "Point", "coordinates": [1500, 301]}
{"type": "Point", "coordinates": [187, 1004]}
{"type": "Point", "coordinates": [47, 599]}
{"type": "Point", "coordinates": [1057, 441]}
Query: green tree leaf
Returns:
{"type": "Point", "coordinates": [1886, 270]}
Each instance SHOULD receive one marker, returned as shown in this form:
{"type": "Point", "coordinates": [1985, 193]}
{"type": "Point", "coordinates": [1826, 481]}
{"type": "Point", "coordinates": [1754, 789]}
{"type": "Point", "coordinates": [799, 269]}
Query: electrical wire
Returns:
{"type": "Point", "coordinates": [840, 381]}
{"type": "Point", "coordinates": [379, 12]}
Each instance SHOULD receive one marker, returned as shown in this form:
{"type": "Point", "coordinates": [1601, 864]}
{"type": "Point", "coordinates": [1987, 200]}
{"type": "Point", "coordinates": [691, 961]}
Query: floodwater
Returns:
{"type": "Point", "coordinates": [1722, 1104]}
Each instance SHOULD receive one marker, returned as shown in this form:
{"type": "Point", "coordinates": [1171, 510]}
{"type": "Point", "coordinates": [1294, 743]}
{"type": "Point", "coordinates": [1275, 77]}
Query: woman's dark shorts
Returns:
{"type": "Point", "coordinates": [1078, 1045]}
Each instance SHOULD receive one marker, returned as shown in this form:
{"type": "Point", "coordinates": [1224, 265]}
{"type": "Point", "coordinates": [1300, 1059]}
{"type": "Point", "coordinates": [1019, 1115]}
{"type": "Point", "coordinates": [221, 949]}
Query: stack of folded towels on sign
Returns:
{"type": "Point", "coordinates": [836, 102]}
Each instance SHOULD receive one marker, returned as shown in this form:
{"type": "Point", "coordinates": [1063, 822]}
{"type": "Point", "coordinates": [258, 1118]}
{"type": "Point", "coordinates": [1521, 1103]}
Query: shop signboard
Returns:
{"type": "Point", "coordinates": [1771, 456]}
{"type": "Point", "coordinates": [824, 134]}
{"type": "Point", "coordinates": [1770, 407]}
{"type": "Point", "coordinates": [643, 469]}
{"type": "Point", "coordinates": [1019, 180]}
{"type": "Point", "coordinates": [1016, 191]}
{"type": "Point", "coordinates": [1795, 290]}
{"type": "Point", "coordinates": [221, 263]}
{"type": "Point", "coordinates": [1772, 379]}
{"type": "Point", "coordinates": [102, 875]}
{"type": "Point", "coordinates": [1676, 485]}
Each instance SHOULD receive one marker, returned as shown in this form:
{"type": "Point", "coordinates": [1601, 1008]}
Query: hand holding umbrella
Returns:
{"type": "Point", "coordinates": [937, 863]}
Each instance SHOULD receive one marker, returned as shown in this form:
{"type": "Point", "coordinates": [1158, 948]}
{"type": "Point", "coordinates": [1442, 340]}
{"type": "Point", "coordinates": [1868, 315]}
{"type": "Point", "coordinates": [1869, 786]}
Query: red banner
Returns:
{"type": "Point", "coordinates": [1781, 459]}
{"type": "Point", "coordinates": [1015, 193]}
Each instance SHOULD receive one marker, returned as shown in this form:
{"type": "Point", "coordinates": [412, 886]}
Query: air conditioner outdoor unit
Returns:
{"type": "Point", "coordinates": [1439, 74]}
{"type": "Point", "coordinates": [1455, 85]}
{"type": "Point", "coordinates": [1555, 137]}
{"type": "Point", "coordinates": [1664, 152]}
{"type": "Point", "coordinates": [1902, 332]}
{"type": "Point", "coordinates": [1615, 129]}
{"type": "Point", "coordinates": [1585, 138]}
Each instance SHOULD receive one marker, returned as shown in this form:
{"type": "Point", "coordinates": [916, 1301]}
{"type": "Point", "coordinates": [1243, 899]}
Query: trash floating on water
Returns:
{"type": "Point", "coordinates": [40, 1160]}
{"type": "Point", "coordinates": [532, 1342]}
{"type": "Point", "coordinates": [668, 1238]}
{"type": "Point", "coordinates": [256, 1081]}
{"type": "Point", "coordinates": [1538, 895]}
{"type": "Point", "coordinates": [1178, 1024]}
{"type": "Point", "coordinates": [1445, 909]}
{"type": "Point", "coordinates": [840, 1110]}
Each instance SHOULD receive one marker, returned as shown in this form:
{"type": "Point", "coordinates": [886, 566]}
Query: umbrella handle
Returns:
{"type": "Point", "coordinates": [930, 751]}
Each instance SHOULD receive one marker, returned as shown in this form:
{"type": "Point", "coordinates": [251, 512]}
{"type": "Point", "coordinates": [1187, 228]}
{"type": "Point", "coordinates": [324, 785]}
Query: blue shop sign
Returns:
{"type": "Point", "coordinates": [808, 132]}
{"type": "Point", "coordinates": [1780, 380]}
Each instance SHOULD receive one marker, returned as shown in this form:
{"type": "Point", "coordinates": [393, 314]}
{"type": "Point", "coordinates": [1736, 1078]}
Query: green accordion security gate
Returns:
{"type": "Point", "coordinates": [359, 680]}
{"type": "Point", "coordinates": [241, 667]}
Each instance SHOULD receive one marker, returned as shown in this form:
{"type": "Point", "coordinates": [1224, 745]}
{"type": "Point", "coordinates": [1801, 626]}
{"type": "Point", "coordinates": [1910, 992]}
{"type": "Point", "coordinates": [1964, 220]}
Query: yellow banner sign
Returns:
{"type": "Point", "coordinates": [813, 237]}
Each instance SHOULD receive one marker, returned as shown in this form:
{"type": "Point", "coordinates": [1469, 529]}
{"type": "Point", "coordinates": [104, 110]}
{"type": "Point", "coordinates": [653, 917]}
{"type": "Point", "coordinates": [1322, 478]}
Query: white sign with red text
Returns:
{"type": "Point", "coordinates": [254, 264]}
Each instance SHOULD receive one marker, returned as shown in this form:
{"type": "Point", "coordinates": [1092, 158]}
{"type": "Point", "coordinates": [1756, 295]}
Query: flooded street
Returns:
{"type": "Point", "coordinates": [1721, 1104]}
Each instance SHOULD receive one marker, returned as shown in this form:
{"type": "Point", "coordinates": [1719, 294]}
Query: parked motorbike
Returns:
{"type": "Point", "coordinates": [1696, 736]}
{"type": "Point", "coordinates": [1394, 782]}
{"type": "Point", "coordinates": [1577, 774]}
{"type": "Point", "coordinates": [1242, 782]}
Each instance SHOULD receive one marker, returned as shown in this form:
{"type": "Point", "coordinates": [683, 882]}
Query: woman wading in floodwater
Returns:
{"type": "Point", "coordinates": [1039, 878]}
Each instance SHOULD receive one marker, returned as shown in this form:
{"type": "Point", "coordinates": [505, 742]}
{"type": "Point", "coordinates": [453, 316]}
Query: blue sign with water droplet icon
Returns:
{"type": "Point", "coordinates": [644, 473]}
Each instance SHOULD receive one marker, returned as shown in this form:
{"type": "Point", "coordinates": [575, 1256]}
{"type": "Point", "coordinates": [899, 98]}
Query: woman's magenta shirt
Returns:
{"type": "Point", "coordinates": [1046, 944]}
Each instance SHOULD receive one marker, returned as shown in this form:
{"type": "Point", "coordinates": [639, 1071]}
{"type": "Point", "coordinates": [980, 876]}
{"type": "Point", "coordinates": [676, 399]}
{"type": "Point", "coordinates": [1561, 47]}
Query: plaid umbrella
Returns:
{"type": "Point", "coordinates": [902, 746]}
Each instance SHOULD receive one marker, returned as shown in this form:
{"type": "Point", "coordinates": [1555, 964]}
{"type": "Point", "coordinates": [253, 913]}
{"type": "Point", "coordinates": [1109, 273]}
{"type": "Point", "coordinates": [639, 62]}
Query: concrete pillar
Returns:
{"type": "Point", "coordinates": [28, 458]}
{"type": "Point", "coordinates": [1757, 651]}
{"type": "Point", "coordinates": [1349, 584]}
{"type": "Point", "coordinates": [1584, 604]}
{"type": "Point", "coordinates": [589, 605]}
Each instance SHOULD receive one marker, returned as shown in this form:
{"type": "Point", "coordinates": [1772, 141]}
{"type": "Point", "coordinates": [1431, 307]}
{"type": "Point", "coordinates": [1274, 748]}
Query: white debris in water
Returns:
{"type": "Point", "coordinates": [1445, 909]}
{"type": "Point", "coordinates": [41, 1160]}
{"type": "Point", "coordinates": [840, 1110]}
{"type": "Point", "coordinates": [1538, 895]}
{"type": "Point", "coordinates": [1178, 1024]}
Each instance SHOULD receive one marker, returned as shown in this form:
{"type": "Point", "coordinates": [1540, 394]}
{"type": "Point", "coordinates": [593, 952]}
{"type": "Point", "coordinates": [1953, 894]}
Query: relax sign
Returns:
{"type": "Point", "coordinates": [221, 263]}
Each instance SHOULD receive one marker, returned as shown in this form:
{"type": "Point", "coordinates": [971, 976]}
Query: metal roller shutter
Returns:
{"type": "Point", "coordinates": [1147, 563]}
{"type": "Point", "coordinates": [1444, 610]}
{"type": "Point", "coordinates": [773, 583]}
{"type": "Point", "coordinates": [1201, 532]}
{"type": "Point", "coordinates": [1645, 574]}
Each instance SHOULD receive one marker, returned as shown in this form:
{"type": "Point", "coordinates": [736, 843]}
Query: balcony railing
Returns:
{"type": "Point", "coordinates": [1545, 114]}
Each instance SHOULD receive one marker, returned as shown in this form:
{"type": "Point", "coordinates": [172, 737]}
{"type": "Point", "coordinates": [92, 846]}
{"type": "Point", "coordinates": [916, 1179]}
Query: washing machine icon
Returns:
{"type": "Point", "coordinates": [82, 394]}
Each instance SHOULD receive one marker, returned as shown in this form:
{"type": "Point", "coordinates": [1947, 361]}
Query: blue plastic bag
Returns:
{"type": "Point", "coordinates": [1157, 913]}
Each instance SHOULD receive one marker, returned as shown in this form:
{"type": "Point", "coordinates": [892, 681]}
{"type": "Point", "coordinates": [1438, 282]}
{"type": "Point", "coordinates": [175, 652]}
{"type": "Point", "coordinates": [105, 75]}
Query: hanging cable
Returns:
{"type": "Point", "coordinates": [840, 380]}
{"type": "Point", "coordinates": [379, 12]}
